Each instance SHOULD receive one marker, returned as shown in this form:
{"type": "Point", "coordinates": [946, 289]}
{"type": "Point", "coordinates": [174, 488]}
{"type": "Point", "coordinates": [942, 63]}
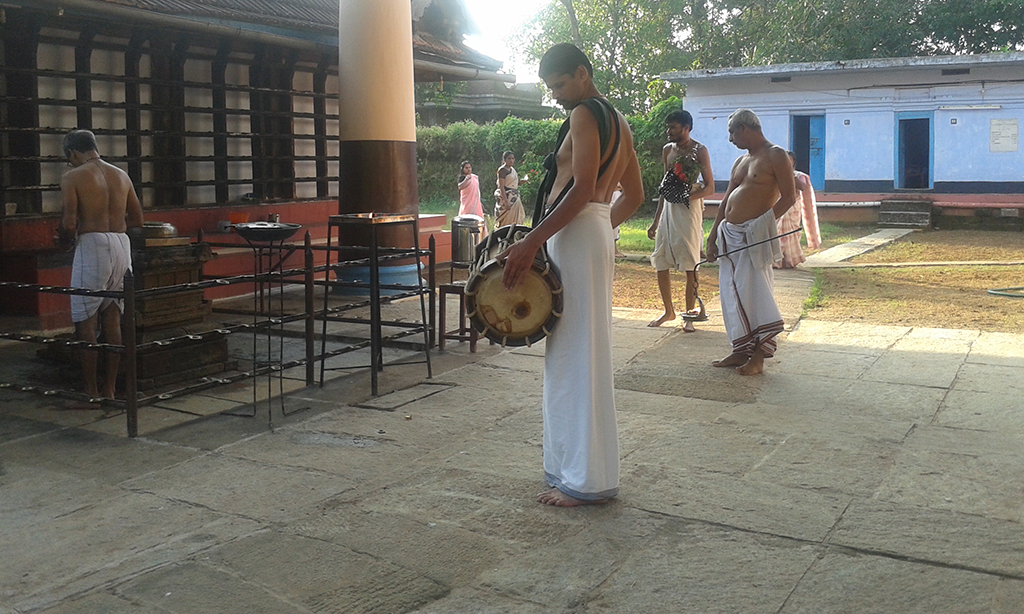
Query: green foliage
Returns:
{"type": "Point", "coordinates": [440, 149]}
{"type": "Point", "coordinates": [631, 42]}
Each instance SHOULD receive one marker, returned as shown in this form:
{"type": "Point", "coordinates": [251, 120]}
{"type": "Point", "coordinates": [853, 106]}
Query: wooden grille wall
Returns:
{"type": "Point", "coordinates": [195, 120]}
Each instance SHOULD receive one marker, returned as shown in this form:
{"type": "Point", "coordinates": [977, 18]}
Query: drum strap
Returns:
{"type": "Point", "coordinates": [606, 118]}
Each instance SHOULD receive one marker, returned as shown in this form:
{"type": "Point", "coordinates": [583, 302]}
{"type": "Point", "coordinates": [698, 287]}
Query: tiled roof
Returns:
{"type": "Point", "coordinates": [319, 16]}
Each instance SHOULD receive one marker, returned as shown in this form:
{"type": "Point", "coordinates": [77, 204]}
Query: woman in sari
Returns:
{"type": "Point", "coordinates": [509, 208]}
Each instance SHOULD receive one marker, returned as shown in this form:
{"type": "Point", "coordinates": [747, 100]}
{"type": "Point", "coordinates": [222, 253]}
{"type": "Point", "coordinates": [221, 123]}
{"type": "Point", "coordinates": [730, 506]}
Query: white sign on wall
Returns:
{"type": "Point", "coordinates": [1003, 135]}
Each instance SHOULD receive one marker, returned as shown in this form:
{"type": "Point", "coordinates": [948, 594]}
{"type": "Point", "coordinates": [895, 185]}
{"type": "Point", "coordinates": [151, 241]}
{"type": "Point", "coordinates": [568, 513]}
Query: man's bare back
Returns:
{"type": "Point", "coordinates": [605, 185]}
{"type": "Point", "coordinates": [99, 197]}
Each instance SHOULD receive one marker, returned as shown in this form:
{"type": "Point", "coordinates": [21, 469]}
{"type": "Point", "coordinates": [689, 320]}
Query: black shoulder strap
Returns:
{"type": "Point", "coordinates": [606, 118]}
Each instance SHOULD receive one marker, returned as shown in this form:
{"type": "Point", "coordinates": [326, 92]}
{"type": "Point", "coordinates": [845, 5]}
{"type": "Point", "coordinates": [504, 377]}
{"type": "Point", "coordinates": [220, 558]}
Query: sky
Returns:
{"type": "Point", "coordinates": [496, 21]}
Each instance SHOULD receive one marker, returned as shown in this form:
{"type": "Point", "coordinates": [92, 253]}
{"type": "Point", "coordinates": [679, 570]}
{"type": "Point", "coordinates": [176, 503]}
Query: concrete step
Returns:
{"type": "Point", "coordinates": [905, 219]}
{"type": "Point", "coordinates": [924, 206]}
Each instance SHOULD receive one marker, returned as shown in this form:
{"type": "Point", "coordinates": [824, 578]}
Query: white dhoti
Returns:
{"type": "Point", "coordinates": [679, 236]}
{"type": "Point", "coordinates": [101, 260]}
{"type": "Point", "coordinates": [745, 282]}
{"type": "Point", "coordinates": [581, 446]}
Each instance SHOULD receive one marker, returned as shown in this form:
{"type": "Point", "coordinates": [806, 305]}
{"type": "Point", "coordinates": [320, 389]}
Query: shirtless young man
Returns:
{"type": "Point", "coordinates": [678, 228]}
{"type": "Point", "coordinates": [581, 456]}
{"type": "Point", "coordinates": [100, 204]}
{"type": "Point", "coordinates": [761, 189]}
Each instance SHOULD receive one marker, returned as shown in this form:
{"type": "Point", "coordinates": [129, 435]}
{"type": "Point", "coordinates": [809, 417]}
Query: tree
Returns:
{"type": "Point", "coordinates": [975, 26]}
{"type": "Point", "coordinates": [632, 41]}
{"type": "Point", "coordinates": [628, 41]}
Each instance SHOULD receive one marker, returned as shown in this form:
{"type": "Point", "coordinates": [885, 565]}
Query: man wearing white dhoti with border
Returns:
{"type": "Point", "coordinates": [100, 204]}
{"type": "Point", "coordinates": [761, 190]}
{"type": "Point", "coordinates": [593, 155]}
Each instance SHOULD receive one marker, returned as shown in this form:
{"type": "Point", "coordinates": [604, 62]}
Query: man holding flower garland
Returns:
{"type": "Point", "coordinates": [678, 230]}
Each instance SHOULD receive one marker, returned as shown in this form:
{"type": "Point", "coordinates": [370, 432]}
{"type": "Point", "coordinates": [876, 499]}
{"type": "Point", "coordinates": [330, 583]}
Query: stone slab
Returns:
{"type": "Point", "coordinates": [803, 391]}
{"type": "Point", "coordinates": [990, 378]}
{"type": "Point", "coordinates": [198, 404]}
{"type": "Point", "coordinates": [94, 456]}
{"type": "Point", "coordinates": [848, 336]}
{"type": "Point", "coordinates": [696, 567]}
{"type": "Point", "coordinates": [982, 411]}
{"type": "Point", "coordinates": [972, 472]}
{"type": "Point", "coordinates": [151, 420]}
{"type": "Point", "coordinates": [481, 376]}
{"type": "Point", "coordinates": [118, 537]}
{"type": "Point", "coordinates": [493, 506]}
{"type": "Point", "coordinates": [241, 391]}
{"type": "Point", "coordinates": [1005, 349]}
{"type": "Point", "coordinates": [50, 410]}
{"type": "Point", "coordinates": [711, 448]}
{"type": "Point", "coordinates": [747, 504]}
{"type": "Point", "coordinates": [945, 537]}
{"type": "Point", "coordinates": [395, 400]}
{"type": "Point", "coordinates": [660, 406]}
{"type": "Point", "coordinates": [15, 427]}
{"type": "Point", "coordinates": [323, 576]}
{"type": "Point", "coordinates": [480, 601]}
{"type": "Point", "coordinates": [846, 251]}
{"type": "Point", "coordinates": [517, 361]}
{"type": "Point", "coordinates": [564, 575]}
{"type": "Point", "coordinates": [243, 488]}
{"type": "Point", "coordinates": [360, 459]}
{"type": "Point", "coordinates": [442, 552]}
{"type": "Point", "coordinates": [192, 587]}
{"type": "Point", "coordinates": [804, 359]}
{"type": "Point", "coordinates": [851, 467]}
{"type": "Point", "coordinates": [102, 602]}
{"type": "Point", "coordinates": [891, 401]}
{"type": "Point", "coordinates": [936, 370]}
{"type": "Point", "coordinates": [853, 582]}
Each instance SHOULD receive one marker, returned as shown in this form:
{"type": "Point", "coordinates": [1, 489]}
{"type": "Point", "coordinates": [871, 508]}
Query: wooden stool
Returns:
{"type": "Point", "coordinates": [465, 331]}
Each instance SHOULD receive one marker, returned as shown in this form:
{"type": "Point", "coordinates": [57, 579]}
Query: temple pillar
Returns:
{"type": "Point", "coordinates": [377, 125]}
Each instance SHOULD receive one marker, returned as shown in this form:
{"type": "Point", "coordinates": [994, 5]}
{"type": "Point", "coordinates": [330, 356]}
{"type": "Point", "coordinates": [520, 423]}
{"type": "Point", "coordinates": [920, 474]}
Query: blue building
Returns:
{"type": "Point", "coordinates": [941, 129]}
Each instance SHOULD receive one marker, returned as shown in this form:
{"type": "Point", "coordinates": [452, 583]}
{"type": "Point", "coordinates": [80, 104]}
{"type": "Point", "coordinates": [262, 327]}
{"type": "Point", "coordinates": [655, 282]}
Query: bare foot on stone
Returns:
{"type": "Point", "coordinates": [732, 360]}
{"type": "Point", "coordinates": [754, 366]}
{"type": "Point", "coordinates": [665, 317]}
{"type": "Point", "coordinates": [558, 498]}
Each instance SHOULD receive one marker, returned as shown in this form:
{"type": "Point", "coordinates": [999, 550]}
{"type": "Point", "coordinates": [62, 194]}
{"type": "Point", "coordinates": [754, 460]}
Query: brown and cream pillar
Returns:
{"type": "Point", "coordinates": [377, 110]}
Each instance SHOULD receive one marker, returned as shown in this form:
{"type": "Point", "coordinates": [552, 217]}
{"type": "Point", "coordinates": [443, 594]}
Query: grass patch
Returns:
{"type": "Point", "coordinates": [953, 297]}
{"type": "Point", "coordinates": [633, 234]}
{"type": "Point", "coordinates": [817, 295]}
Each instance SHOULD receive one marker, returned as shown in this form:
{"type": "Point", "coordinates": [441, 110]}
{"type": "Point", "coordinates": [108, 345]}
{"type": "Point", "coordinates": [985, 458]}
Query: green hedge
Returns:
{"type": "Point", "coordinates": [441, 148]}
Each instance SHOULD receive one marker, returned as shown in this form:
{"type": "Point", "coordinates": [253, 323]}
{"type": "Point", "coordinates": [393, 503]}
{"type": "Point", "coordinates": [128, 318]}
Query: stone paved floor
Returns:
{"type": "Point", "coordinates": [870, 469]}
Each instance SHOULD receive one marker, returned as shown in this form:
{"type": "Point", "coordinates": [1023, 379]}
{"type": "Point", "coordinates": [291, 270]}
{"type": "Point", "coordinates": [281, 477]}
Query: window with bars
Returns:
{"type": "Point", "coordinates": [196, 121]}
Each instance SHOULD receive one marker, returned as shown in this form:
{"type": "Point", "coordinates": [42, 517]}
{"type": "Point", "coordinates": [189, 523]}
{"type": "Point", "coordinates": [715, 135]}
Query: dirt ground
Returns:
{"type": "Point", "coordinates": [636, 285]}
{"type": "Point", "coordinates": [934, 296]}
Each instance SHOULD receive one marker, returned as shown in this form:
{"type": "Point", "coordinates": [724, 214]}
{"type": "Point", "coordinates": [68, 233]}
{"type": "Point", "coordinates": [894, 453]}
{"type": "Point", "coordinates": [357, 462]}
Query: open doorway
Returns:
{"type": "Point", "coordinates": [807, 138]}
{"type": "Point", "coordinates": [914, 152]}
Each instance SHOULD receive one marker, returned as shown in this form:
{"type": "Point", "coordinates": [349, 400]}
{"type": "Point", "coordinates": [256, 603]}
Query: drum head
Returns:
{"type": "Point", "coordinates": [521, 316]}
